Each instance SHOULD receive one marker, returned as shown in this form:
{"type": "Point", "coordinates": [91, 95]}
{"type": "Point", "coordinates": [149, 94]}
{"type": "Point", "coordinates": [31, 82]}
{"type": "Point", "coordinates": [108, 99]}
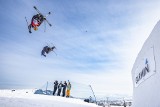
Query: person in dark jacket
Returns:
{"type": "Point", "coordinates": [64, 88]}
{"type": "Point", "coordinates": [59, 88]}
{"type": "Point", "coordinates": [124, 104]}
{"type": "Point", "coordinates": [46, 50]}
{"type": "Point", "coordinates": [55, 87]}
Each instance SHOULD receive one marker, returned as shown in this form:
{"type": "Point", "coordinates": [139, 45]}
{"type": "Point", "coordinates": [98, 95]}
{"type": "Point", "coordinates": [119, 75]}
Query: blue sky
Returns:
{"type": "Point", "coordinates": [97, 42]}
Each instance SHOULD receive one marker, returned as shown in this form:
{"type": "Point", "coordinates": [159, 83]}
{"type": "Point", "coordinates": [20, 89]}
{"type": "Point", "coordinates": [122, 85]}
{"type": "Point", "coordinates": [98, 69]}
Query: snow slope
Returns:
{"type": "Point", "coordinates": [26, 98]}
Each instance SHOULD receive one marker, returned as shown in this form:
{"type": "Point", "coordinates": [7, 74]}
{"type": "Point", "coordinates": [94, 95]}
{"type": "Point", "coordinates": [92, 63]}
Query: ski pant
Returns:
{"type": "Point", "coordinates": [55, 89]}
{"type": "Point", "coordinates": [59, 92]}
{"type": "Point", "coordinates": [64, 92]}
{"type": "Point", "coordinates": [68, 93]}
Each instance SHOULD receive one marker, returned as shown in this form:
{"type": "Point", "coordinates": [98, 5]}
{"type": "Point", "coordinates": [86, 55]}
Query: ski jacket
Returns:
{"type": "Point", "coordinates": [46, 49]}
{"type": "Point", "coordinates": [64, 85]}
{"type": "Point", "coordinates": [55, 84]}
{"type": "Point", "coordinates": [69, 86]}
{"type": "Point", "coordinates": [60, 86]}
{"type": "Point", "coordinates": [37, 20]}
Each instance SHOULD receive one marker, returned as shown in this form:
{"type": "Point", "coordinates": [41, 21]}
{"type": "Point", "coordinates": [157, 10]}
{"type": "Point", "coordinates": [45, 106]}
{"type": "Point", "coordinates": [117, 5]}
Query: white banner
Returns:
{"type": "Point", "coordinates": [146, 67]}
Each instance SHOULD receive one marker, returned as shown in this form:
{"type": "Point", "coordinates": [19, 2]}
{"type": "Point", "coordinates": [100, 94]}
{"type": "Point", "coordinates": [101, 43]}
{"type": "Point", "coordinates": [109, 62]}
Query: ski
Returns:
{"type": "Point", "coordinates": [47, 15]}
{"type": "Point", "coordinates": [36, 9]}
{"type": "Point", "coordinates": [41, 13]}
{"type": "Point", "coordinates": [48, 22]}
{"type": "Point", "coordinates": [28, 25]}
{"type": "Point", "coordinates": [46, 19]}
{"type": "Point", "coordinates": [55, 53]}
{"type": "Point", "coordinates": [26, 21]}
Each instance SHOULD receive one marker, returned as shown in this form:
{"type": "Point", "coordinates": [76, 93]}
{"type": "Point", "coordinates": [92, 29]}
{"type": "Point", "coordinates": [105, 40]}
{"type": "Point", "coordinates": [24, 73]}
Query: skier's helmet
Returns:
{"type": "Point", "coordinates": [35, 28]}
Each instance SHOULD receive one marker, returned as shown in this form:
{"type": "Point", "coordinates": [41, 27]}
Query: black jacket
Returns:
{"type": "Point", "coordinates": [55, 84]}
{"type": "Point", "coordinates": [39, 17]}
{"type": "Point", "coordinates": [46, 49]}
{"type": "Point", "coordinates": [64, 85]}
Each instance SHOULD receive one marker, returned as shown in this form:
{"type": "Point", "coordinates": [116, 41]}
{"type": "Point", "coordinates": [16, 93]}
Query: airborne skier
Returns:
{"type": "Point", "coordinates": [37, 20]}
{"type": "Point", "coordinates": [47, 49]}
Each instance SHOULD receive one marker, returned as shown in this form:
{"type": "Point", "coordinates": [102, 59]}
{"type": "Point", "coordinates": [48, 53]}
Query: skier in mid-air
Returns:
{"type": "Point", "coordinates": [47, 49]}
{"type": "Point", "coordinates": [36, 22]}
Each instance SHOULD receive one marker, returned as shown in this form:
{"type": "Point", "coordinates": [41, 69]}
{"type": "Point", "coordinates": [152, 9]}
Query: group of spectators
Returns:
{"type": "Point", "coordinates": [61, 88]}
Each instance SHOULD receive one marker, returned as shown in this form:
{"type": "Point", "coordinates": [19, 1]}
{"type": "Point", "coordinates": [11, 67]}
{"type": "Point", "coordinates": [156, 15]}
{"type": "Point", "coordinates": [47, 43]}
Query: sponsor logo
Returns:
{"type": "Point", "coordinates": [143, 73]}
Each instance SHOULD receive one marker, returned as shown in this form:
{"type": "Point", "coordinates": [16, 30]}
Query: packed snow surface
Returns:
{"type": "Point", "coordinates": [27, 98]}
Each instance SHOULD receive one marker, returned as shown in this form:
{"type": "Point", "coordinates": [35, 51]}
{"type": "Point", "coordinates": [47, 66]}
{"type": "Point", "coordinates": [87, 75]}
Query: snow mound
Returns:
{"type": "Point", "coordinates": [27, 98]}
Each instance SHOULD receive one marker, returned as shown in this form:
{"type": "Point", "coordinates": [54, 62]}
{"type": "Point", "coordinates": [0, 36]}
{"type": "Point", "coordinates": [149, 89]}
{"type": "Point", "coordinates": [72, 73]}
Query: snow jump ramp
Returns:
{"type": "Point", "coordinates": [146, 72]}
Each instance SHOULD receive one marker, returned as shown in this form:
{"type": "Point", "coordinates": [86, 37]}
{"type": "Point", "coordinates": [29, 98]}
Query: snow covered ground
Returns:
{"type": "Point", "coordinates": [27, 98]}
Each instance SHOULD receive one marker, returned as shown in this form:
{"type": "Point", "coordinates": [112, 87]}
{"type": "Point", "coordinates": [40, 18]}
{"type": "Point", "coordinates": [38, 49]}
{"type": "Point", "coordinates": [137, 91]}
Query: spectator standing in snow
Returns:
{"type": "Point", "coordinates": [90, 99]}
{"type": "Point", "coordinates": [59, 88]}
{"type": "Point", "coordinates": [124, 104]}
{"type": "Point", "coordinates": [55, 87]}
{"type": "Point", "coordinates": [64, 88]}
{"type": "Point", "coordinates": [68, 89]}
